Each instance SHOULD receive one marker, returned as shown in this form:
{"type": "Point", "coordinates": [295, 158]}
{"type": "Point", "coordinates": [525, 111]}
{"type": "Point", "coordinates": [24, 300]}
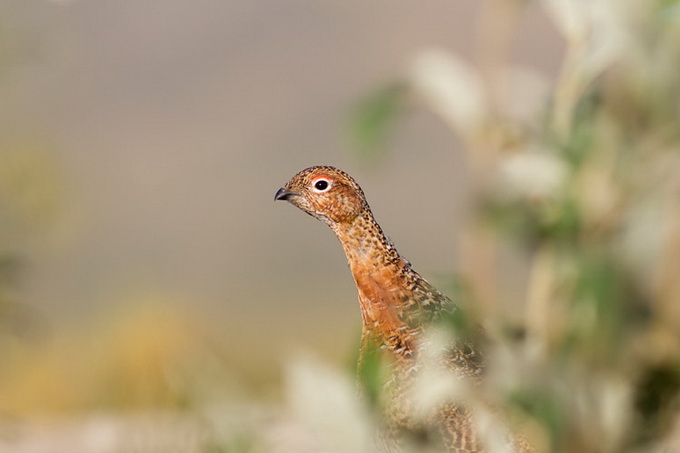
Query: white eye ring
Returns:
{"type": "Point", "coordinates": [320, 185]}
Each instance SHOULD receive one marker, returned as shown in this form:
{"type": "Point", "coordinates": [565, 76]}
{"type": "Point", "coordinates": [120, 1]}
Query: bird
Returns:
{"type": "Point", "coordinates": [397, 306]}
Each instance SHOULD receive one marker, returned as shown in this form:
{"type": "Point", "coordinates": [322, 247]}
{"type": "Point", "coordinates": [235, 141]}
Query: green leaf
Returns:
{"type": "Point", "coordinates": [374, 119]}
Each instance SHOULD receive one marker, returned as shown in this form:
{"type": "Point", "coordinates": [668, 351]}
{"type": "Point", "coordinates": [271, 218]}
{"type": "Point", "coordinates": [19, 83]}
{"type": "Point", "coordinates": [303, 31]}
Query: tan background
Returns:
{"type": "Point", "coordinates": [172, 123]}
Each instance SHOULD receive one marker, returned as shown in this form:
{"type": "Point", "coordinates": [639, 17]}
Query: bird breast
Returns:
{"type": "Point", "coordinates": [381, 298]}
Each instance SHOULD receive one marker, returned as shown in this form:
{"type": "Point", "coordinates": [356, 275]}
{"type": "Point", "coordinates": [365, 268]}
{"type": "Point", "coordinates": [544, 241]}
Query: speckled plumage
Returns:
{"type": "Point", "coordinates": [397, 304]}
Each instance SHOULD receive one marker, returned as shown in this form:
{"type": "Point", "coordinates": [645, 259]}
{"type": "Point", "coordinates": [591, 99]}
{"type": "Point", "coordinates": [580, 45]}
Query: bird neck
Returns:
{"type": "Point", "coordinates": [379, 273]}
{"type": "Point", "coordinates": [365, 244]}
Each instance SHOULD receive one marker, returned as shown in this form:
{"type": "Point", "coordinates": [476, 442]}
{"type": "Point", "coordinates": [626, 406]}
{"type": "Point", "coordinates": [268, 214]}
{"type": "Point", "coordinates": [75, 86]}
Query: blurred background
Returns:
{"type": "Point", "coordinates": [153, 294]}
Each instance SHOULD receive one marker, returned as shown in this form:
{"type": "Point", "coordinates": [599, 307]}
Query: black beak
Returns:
{"type": "Point", "coordinates": [283, 194]}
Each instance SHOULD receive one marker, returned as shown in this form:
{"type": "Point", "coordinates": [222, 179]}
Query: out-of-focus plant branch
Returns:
{"type": "Point", "coordinates": [583, 182]}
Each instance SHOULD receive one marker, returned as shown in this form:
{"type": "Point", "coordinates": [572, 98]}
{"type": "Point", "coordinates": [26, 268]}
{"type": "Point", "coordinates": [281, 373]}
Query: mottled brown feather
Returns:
{"type": "Point", "coordinates": [397, 304]}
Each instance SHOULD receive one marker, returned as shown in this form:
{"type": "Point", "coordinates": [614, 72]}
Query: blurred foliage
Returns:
{"type": "Point", "coordinates": [31, 203]}
{"type": "Point", "coordinates": [582, 179]}
{"type": "Point", "coordinates": [372, 370]}
{"type": "Point", "coordinates": [31, 194]}
{"type": "Point", "coordinates": [589, 190]}
{"type": "Point", "coordinates": [374, 120]}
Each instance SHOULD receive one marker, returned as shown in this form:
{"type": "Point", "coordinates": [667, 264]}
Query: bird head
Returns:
{"type": "Point", "coordinates": [326, 193]}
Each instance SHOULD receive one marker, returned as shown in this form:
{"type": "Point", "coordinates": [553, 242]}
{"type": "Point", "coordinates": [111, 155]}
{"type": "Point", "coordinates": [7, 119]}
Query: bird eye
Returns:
{"type": "Point", "coordinates": [321, 185]}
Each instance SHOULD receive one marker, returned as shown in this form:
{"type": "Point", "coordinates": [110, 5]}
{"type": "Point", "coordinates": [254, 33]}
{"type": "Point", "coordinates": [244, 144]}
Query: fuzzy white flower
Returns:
{"type": "Point", "coordinates": [533, 175]}
{"type": "Point", "coordinates": [452, 88]}
{"type": "Point", "coordinates": [597, 28]}
{"type": "Point", "coordinates": [325, 400]}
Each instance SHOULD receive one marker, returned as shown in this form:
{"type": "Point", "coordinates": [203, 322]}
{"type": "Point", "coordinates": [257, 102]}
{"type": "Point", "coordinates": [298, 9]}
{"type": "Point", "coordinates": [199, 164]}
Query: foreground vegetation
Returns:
{"type": "Point", "coordinates": [574, 189]}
